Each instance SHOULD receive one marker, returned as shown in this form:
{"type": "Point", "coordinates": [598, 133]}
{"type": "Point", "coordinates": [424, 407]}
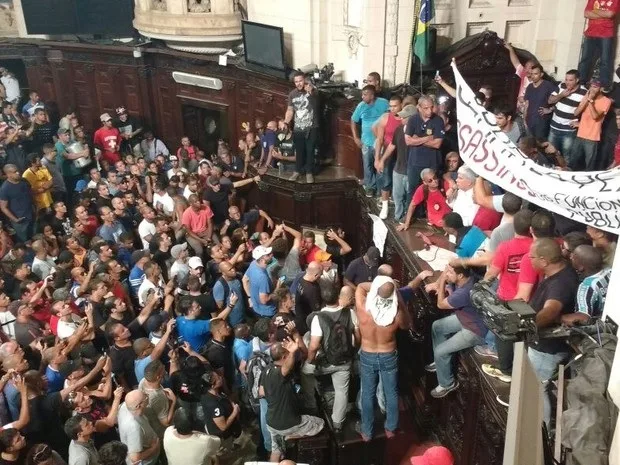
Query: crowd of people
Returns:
{"type": "Point", "coordinates": [148, 313]}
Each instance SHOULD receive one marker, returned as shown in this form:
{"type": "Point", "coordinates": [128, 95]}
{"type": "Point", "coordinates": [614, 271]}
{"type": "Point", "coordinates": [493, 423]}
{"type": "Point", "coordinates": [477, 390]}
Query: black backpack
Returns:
{"type": "Point", "coordinates": [337, 336]}
{"type": "Point", "coordinates": [256, 367]}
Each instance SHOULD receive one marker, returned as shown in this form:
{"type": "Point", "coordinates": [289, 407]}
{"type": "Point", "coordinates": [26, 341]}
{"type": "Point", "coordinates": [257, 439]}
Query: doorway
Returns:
{"type": "Point", "coordinates": [205, 126]}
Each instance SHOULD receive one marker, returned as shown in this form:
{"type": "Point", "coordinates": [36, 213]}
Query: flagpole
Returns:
{"type": "Point", "coordinates": [414, 31]}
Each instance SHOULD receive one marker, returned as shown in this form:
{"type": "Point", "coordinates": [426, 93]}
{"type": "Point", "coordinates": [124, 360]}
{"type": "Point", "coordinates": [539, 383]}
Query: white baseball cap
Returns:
{"type": "Point", "coordinates": [260, 251]}
{"type": "Point", "coordinates": [195, 262]}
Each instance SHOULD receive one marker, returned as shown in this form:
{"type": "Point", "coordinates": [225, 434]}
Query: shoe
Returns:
{"type": "Point", "coordinates": [503, 400]}
{"type": "Point", "coordinates": [358, 430]}
{"type": "Point", "coordinates": [384, 211]}
{"type": "Point", "coordinates": [309, 178]}
{"type": "Point", "coordinates": [495, 372]}
{"type": "Point", "coordinates": [389, 434]}
{"type": "Point", "coordinates": [486, 352]}
{"type": "Point", "coordinates": [441, 391]}
{"type": "Point", "coordinates": [431, 367]}
{"type": "Point", "coordinates": [294, 177]}
{"type": "Point", "coordinates": [369, 192]}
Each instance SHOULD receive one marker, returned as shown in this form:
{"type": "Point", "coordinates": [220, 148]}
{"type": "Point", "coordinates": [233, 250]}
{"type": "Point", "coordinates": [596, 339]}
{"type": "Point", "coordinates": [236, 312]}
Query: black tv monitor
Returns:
{"type": "Point", "coordinates": [263, 45]}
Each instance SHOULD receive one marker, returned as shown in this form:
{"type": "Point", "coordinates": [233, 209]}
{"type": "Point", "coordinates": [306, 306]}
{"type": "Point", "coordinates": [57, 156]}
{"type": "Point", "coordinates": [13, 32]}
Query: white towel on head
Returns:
{"type": "Point", "coordinates": [383, 311]}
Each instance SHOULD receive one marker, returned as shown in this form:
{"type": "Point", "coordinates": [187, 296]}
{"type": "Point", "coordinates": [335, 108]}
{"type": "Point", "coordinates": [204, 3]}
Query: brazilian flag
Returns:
{"type": "Point", "coordinates": [422, 38]}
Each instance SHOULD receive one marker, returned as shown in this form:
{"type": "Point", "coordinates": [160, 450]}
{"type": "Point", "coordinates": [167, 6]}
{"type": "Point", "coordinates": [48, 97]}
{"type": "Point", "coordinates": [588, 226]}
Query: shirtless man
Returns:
{"type": "Point", "coordinates": [380, 312]}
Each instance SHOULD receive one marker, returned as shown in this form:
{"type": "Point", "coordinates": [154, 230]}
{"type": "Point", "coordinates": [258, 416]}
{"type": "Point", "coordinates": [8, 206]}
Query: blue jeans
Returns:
{"type": "Point", "coordinates": [591, 49]}
{"type": "Point", "coordinates": [384, 180]}
{"type": "Point", "coordinates": [263, 424]}
{"type": "Point", "coordinates": [584, 151]}
{"type": "Point", "coordinates": [449, 337]}
{"type": "Point", "coordinates": [414, 179]}
{"type": "Point", "coordinates": [545, 366]}
{"type": "Point", "coordinates": [400, 191]}
{"type": "Point", "coordinates": [372, 367]}
{"type": "Point", "coordinates": [563, 141]}
{"type": "Point", "coordinates": [23, 229]}
{"type": "Point", "coordinates": [370, 174]}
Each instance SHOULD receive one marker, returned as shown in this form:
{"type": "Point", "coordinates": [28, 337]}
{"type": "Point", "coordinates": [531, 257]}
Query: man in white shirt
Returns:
{"type": "Point", "coordinates": [136, 432]}
{"type": "Point", "coordinates": [463, 203]}
{"type": "Point", "coordinates": [161, 200]}
{"type": "Point", "coordinates": [152, 280]}
{"type": "Point", "coordinates": [11, 85]}
{"type": "Point", "coordinates": [179, 268]}
{"type": "Point", "coordinates": [147, 228]}
{"type": "Point", "coordinates": [336, 316]}
{"type": "Point", "coordinates": [150, 147]}
{"type": "Point", "coordinates": [176, 169]}
{"type": "Point", "coordinates": [185, 446]}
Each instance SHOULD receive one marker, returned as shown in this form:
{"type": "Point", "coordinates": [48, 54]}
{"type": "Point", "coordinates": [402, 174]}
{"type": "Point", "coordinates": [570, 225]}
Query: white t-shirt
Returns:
{"type": "Point", "coordinates": [146, 229]}
{"type": "Point", "coordinates": [67, 328]}
{"type": "Point", "coordinates": [145, 287]}
{"type": "Point", "coordinates": [11, 86]}
{"type": "Point", "coordinates": [464, 205]}
{"type": "Point", "coordinates": [8, 328]}
{"type": "Point", "coordinates": [187, 192]}
{"type": "Point", "coordinates": [166, 201]}
{"type": "Point", "coordinates": [198, 449]}
{"type": "Point", "coordinates": [180, 269]}
{"type": "Point", "coordinates": [315, 326]}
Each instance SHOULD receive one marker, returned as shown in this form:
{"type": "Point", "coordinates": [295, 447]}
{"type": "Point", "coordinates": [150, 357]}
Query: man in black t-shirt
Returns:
{"type": "Point", "coordinates": [363, 269]}
{"type": "Point", "coordinates": [308, 296]}
{"type": "Point", "coordinates": [219, 351]}
{"type": "Point", "coordinates": [283, 414]}
{"type": "Point", "coordinates": [129, 127]}
{"type": "Point", "coordinates": [217, 196]}
{"type": "Point", "coordinates": [43, 132]}
{"type": "Point", "coordinates": [554, 297]}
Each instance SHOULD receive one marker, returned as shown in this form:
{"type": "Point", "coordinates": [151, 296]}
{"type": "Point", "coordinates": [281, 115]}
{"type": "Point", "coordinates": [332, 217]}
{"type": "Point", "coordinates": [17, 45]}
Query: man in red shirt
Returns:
{"type": "Point", "coordinates": [198, 225]}
{"type": "Point", "coordinates": [436, 205]}
{"type": "Point", "coordinates": [108, 139]}
{"type": "Point", "coordinates": [598, 41]}
{"type": "Point", "coordinates": [507, 259]}
{"type": "Point", "coordinates": [308, 249]}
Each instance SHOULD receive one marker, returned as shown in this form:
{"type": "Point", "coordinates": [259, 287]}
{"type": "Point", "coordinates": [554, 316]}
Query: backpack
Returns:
{"type": "Point", "coordinates": [256, 366]}
{"type": "Point", "coordinates": [337, 336]}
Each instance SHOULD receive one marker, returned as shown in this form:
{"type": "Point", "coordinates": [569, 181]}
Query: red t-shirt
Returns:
{"type": "Point", "coordinates": [604, 27]}
{"type": "Point", "coordinates": [436, 206]}
{"type": "Point", "coordinates": [617, 152]}
{"type": "Point", "coordinates": [487, 219]}
{"type": "Point", "coordinates": [191, 152]}
{"type": "Point", "coordinates": [508, 258]}
{"type": "Point", "coordinates": [308, 257]}
{"type": "Point", "coordinates": [109, 141]}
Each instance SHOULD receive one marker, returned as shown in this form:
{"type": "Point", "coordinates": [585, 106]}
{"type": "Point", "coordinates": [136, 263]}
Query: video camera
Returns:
{"type": "Point", "coordinates": [513, 320]}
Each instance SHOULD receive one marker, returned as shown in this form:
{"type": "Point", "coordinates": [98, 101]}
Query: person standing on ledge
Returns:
{"type": "Point", "coordinates": [303, 106]}
{"type": "Point", "coordinates": [380, 314]}
{"type": "Point", "coordinates": [367, 112]}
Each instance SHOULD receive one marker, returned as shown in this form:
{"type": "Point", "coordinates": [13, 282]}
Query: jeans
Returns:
{"type": "Point", "coordinates": [384, 180]}
{"type": "Point", "coordinates": [340, 378]}
{"type": "Point", "coordinates": [305, 145]}
{"type": "Point", "coordinates": [449, 337]}
{"type": "Point", "coordinates": [545, 366]}
{"type": "Point", "coordinates": [591, 49]}
{"type": "Point", "coordinates": [539, 127]}
{"type": "Point", "coordinates": [400, 190]}
{"type": "Point", "coordinates": [563, 141]}
{"type": "Point", "coordinates": [263, 424]}
{"type": "Point", "coordinates": [375, 366]}
{"type": "Point", "coordinates": [23, 229]}
{"type": "Point", "coordinates": [368, 161]}
{"type": "Point", "coordinates": [414, 179]}
{"type": "Point", "coordinates": [584, 149]}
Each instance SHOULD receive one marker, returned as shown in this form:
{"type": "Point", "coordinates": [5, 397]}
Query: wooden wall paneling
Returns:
{"type": "Point", "coordinates": [169, 128]}
{"type": "Point", "coordinates": [107, 88]}
{"type": "Point", "coordinates": [60, 76]}
{"type": "Point", "coordinates": [47, 88]}
{"type": "Point", "coordinates": [131, 93]}
{"type": "Point", "coordinates": [85, 101]}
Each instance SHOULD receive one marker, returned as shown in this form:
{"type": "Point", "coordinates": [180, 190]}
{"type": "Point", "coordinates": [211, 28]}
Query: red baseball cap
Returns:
{"type": "Point", "coordinates": [436, 455]}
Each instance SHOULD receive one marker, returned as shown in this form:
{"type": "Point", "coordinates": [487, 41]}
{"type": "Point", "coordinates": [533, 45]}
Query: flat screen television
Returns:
{"type": "Point", "coordinates": [263, 45]}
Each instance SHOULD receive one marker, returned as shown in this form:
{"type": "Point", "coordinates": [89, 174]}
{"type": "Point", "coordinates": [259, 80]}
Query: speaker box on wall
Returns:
{"type": "Point", "coordinates": [110, 17]}
{"type": "Point", "coordinates": [50, 16]}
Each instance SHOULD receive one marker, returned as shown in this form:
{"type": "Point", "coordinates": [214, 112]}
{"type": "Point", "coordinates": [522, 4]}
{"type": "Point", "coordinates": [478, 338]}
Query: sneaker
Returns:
{"type": "Point", "coordinates": [294, 177]}
{"type": "Point", "coordinates": [358, 429]}
{"type": "Point", "coordinates": [384, 211]}
{"type": "Point", "coordinates": [485, 351]}
{"type": "Point", "coordinates": [495, 372]}
{"type": "Point", "coordinates": [369, 192]}
{"type": "Point", "coordinates": [503, 399]}
{"type": "Point", "coordinates": [431, 367]}
{"type": "Point", "coordinates": [309, 178]}
{"type": "Point", "coordinates": [441, 391]}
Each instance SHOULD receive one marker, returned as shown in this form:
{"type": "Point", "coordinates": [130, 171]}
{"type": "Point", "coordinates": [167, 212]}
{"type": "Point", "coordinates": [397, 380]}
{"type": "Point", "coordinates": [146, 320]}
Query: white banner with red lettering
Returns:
{"type": "Point", "coordinates": [587, 197]}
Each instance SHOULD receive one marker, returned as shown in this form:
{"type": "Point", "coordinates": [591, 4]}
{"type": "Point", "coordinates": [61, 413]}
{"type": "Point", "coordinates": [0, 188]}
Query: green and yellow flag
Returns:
{"type": "Point", "coordinates": [422, 38]}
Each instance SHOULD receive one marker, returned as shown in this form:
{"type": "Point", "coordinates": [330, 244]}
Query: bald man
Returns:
{"type": "Point", "coordinates": [554, 297]}
{"type": "Point", "coordinates": [588, 261]}
{"type": "Point", "coordinates": [136, 432]}
{"type": "Point", "coordinates": [380, 312]}
{"type": "Point", "coordinates": [308, 295]}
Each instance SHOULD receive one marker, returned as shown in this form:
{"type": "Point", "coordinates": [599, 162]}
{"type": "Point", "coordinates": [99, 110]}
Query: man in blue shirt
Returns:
{"type": "Point", "coordinates": [16, 203]}
{"type": "Point", "coordinates": [224, 289]}
{"type": "Point", "coordinates": [468, 238]}
{"type": "Point", "coordinates": [368, 112]}
{"type": "Point", "coordinates": [257, 283]}
{"type": "Point", "coordinates": [424, 134]}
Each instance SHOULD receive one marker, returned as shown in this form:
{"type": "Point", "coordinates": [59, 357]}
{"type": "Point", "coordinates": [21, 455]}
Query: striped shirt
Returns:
{"type": "Point", "coordinates": [565, 109]}
{"type": "Point", "coordinates": [592, 292]}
